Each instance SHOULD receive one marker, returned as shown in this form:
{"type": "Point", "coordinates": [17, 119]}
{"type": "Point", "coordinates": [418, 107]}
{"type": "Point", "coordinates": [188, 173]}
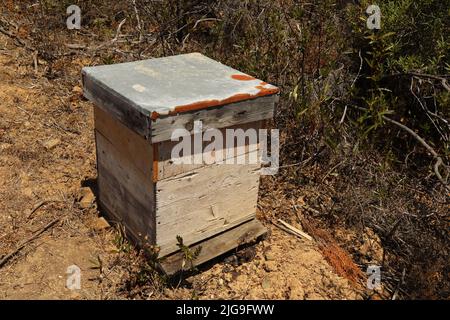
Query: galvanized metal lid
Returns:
{"type": "Point", "coordinates": [171, 85]}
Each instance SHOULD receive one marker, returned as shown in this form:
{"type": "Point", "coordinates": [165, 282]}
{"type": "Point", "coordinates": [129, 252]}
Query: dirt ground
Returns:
{"type": "Point", "coordinates": [47, 155]}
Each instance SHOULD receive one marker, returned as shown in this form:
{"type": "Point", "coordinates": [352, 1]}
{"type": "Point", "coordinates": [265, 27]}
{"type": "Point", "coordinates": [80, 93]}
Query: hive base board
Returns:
{"type": "Point", "coordinates": [215, 246]}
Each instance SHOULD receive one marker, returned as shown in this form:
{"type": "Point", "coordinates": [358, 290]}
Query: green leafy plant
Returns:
{"type": "Point", "coordinates": [402, 79]}
{"type": "Point", "coordinates": [189, 256]}
{"type": "Point", "coordinates": [120, 240]}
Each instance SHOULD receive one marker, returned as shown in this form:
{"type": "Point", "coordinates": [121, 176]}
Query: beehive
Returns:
{"type": "Point", "coordinates": [137, 106]}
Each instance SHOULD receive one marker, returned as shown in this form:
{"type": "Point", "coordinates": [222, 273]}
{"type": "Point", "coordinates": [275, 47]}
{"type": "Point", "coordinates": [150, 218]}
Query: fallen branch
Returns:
{"type": "Point", "coordinates": [294, 230]}
{"type": "Point", "coordinates": [8, 257]}
{"type": "Point", "coordinates": [37, 206]}
{"type": "Point", "coordinates": [281, 227]}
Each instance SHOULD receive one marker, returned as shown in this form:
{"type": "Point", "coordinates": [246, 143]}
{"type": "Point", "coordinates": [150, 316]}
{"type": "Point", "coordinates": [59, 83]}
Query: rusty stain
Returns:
{"type": "Point", "coordinates": [263, 91]}
{"type": "Point", "coordinates": [242, 77]}
{"type": "Point", "coordinates": [214, 103]}
{"type": "Point", "coordinates": [155, 162]}
{"type": "Point", "coordinates": [154, 115]}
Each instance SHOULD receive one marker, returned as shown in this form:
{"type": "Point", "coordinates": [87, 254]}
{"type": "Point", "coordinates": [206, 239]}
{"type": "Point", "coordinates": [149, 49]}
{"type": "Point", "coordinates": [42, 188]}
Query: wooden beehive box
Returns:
{"type": "Point", "coordinates": [137, 107]}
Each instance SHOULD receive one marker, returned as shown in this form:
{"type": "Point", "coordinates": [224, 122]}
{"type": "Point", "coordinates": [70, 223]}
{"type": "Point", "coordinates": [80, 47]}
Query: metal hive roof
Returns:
{"type": "Point", "coordinates": [174, 84]}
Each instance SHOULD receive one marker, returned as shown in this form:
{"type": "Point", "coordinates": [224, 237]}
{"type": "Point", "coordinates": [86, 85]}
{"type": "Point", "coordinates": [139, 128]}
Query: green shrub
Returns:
{"type": "Point", "coordinates": [405, 67]}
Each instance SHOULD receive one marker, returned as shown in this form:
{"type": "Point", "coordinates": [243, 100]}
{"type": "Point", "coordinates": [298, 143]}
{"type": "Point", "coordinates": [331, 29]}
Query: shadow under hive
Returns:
{"type": "Point", "coordinates": [137, 107]}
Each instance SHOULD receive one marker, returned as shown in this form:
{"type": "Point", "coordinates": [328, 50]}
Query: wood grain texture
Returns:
{"type": "Point", "coordinates": [216, 246]}
{"type": "Point", "coordinates": [126, 189]}
{"type": "Point", "coordinates": [117, 106]}
{"type": "Point", "coordinates": [204, 202]}
{"type": "Point", "coordinates": [167, 168]}
{"type": "Point", "coordinates": [135, 148]}
{"type": "Point", "coordinates": [216, 117]}
{"type": "Point", "coordinates": [193, 201]}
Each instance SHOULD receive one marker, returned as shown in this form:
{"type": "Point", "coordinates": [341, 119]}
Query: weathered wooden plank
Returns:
{"type": "Point", "coordinates": [125, 190]}
{"type": "Point", "coordinates": [121, 207]}
{"type": "Point", "coordinates": [116, 105]}
{"type": "Point", "coordinates": [129, 144]}
{"type": "Point", "coordinates": [203, 202]}
{"type": "Point", "coordinates": [215, 246]}
{"type": "Point", "coordinates": [167, 168]}
{"type": "Point", "coordinates": [215, 117]}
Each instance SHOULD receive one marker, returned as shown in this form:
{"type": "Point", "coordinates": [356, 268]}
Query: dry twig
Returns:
{"type": "Point", "coordinates": [37, 206]}
{"type": "Point", "coordinates": [8, 257]}
{"type": "Point", "coordinates": [293, 230]}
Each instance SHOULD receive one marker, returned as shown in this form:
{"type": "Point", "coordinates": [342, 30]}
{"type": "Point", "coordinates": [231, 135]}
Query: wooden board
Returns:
{"type": "Point", "coordinates": [166, 168]}
{"type": "Point", "coordinates": [116, 106]}
{"type": "Point", "coordinates": [126, 190]}
{"type": "Point", "coordinates": [204, 202]}
{"type": "Point", "coordinates": [135, 148]}
{"type": "Point", "coordinates": [215, 246]}
{"type": "Point", "coordinates": [216, 117]}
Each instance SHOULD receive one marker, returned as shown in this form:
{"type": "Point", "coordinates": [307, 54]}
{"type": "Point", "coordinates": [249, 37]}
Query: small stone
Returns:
{"type": "Point", "coordinates": [77, 90]}
{"type": "Point", "coordinates": [243, 278]}
{"type": "Point", "coordinates": [314, 296]}
{"type": "Point", "coordinates": [75, 296]}
{"type": "Point", "coordinates": [270, 266]}
{"type": "Point", "coordinates": [266, 284]}
{"type": "Point", "coordinates": [233, 260]}
{"type": "Point", "coordinates": [228, 277]}
{"type": "Point", "coordinates": [168, 293]}
{"type": "Point", "coordinates": [100, 224]}
{"type": "Point", "coordinates": [87, 198]}
{"type": "Point", "coordinates": [269, 256]}
{"type": "Point", "coordinates": [221, 282]}
{"type": "Point", "coordinates": [301, 201]}
{"type": "Point", "coordinates": [296, 291]}
{"type": "Point", "coordinates": [27, 192]}
{"type": "Point", "coordinates": [50, 144]}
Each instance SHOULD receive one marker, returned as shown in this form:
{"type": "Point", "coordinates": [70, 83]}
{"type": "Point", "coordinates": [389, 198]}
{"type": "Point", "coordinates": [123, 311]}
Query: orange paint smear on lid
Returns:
{"type": "Point", "coordinates": [263, 91]}
{"type": "Point", "coordinates": [242, 77]}
{"type": "Point", "coordinates": [214, 103]}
